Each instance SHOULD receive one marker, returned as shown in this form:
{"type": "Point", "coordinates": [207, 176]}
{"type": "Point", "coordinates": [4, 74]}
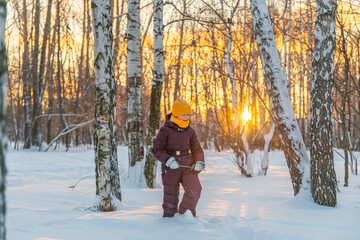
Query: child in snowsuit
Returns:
{"type": "Point", "coordinates": [177, 148]}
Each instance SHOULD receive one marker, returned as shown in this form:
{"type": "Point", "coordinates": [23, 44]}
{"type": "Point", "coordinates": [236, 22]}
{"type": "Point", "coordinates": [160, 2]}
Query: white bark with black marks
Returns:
{"type": "Point", "coordinates": [133, 91]}
{"type": "Point", "coordinates": [107, 173]}
{"type": "Point", "coordinates": [282, 110]}
{"type": "Point", "coordinates": [154, 115]}
{"type": "Point", "coordinates": [323, 177]}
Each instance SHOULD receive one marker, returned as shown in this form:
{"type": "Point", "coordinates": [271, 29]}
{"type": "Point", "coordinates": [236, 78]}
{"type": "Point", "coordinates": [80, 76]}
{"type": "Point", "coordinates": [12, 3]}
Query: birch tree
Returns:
{"type": "Point", "coordinates": [107, 173]}
{"type": "Point", "coordinates": [25, 79]}
{"type": "Point", "coordinates": [36, 131]}
{"type": "Point", "coordinates": [323, 177]}
{"type": "Point", "coordinates": [158, 74]}
{"type": "Point", "coordinates": [3, 117]}
{"type": "Point", "coordinates": [178, 78]}
{"type": "Point", "coordinates": [282, 110]}
{"type": "Point", "coordinates": [46, 35]}
{"type": "Point", "coordinates": [59, 72]}
{"type": "Point", "coordinates": [51, 84]}
{"type": "Point", "coordinates": [133, 90]}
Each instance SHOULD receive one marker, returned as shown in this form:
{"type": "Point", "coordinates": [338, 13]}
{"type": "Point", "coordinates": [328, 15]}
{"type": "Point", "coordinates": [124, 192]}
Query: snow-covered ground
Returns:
{"type": "Point", "coordinates": [40, 204]}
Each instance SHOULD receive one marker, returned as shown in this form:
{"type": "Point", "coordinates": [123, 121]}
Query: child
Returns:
{"type": "Point", "coordinates": [177, 148]}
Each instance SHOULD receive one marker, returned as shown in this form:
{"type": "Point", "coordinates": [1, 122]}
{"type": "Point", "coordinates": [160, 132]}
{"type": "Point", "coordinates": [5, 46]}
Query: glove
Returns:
{"type": "Point", "coordinates": [198, 167]}
{"type": "Point", "coordinates": [172, 163]}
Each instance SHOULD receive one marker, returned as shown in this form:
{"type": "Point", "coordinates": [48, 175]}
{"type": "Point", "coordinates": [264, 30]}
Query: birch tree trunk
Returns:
{"type": "Point", "coordinates": [60, 99]}
{"type": "Point", "coordinates": [3, 117]}
{"type": "Point", "coordinates": [50, 87]}
{"type": "Point", "coordinates": [12, 104]}
{"type": "Point", "coordinates": [158, 73]}
{"type": "Point", "coordinates": [108, 181]}
{"type": "Point", "coordinates": [229, 67]}
{"type": "Point", "coordinates": [282, 110]}
{"type": "Point", "coordinates": [177, 92]}
{"type": "Point", "coordinates": [117, 30]}
{"type": "Point", "coordinates": [25, 79]}
{"type": "Point", "coordinates": [42, 71]}
{"type": "Point", "coordinates": [214, 79]}
{"type": "Point", "coordinates": [133, 90]}
{"type": "Point", "coordinates": [36, 131]}
{"type": "Point", "coordinates": [323, 177]}
{"type": "Point", "coordinates": [80, 81]}
{"type": "Point", "coordinates": [343, 89]}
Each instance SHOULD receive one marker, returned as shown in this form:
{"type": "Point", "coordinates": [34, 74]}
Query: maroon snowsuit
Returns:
{"type": "Point", "coordinates": [182, 144]}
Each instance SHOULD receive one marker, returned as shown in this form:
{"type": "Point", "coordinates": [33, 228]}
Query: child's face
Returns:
{"type": "Point", "coordinates": [184, 117]}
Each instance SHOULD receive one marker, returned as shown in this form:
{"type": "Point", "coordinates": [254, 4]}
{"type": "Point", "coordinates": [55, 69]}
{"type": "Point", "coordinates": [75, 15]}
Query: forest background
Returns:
{"type": "Point", "coordinates": [63, 58]}
{"type": "Point", "coordinates": [51, 84]}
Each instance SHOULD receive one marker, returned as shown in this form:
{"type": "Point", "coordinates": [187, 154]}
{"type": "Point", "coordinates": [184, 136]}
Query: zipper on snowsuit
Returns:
{"type": "Point", "coordinates": [180, 142]}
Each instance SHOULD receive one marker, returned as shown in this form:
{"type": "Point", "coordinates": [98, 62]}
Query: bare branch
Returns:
{"type": "Point", "coordinates": [64, 133]}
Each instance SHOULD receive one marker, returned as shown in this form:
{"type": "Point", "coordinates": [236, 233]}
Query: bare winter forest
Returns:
{"type": "Point", "coordinates": [51, 86]}
{"type": "Point", "coordinates": [102, 75]}
{"type": "Point", "coordinates": [214, 55]}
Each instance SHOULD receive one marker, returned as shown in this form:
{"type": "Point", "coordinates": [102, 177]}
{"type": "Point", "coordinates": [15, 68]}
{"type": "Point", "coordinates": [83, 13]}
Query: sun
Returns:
{"type": "Point", "coordinates": [246, 116]}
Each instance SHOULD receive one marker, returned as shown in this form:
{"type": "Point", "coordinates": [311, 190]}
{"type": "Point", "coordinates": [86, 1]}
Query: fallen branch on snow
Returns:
{"type": "Point", "coordinates": [73, 186]}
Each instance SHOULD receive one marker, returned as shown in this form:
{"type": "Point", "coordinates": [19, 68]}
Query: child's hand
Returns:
{"type": "Point", "coordinates": [198, 167]}
{"type": "Point", "coordinates": [172, 163]}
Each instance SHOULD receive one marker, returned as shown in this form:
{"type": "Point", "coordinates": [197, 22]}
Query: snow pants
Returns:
{"type": "Point", "coordinates": [190, 181]}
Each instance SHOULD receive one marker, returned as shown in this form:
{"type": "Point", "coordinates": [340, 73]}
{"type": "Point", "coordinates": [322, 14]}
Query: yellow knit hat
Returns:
{"type": "Point", "coordinates": [180, 107]}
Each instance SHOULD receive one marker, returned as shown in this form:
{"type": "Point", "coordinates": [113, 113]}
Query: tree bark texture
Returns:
{"type": "Point", "coordinates": [25, 79]}
{"type": "Point", "coordinates": [282, 110]}
{"type": "Point", "coordinates": [41, 85]}
{"type": "Point", "coordinates": [3, 117]}
{"type": "Point", "coordinates": [158, 74]}
{"type": "Point", "coordinates": [323, 177]}
{"type": "Point", "coordinates": [36, 131]}
{"type": "Point", "coordinates": [108, 181]}
{"type": "Point", "coordinates": [50, 88]}
{"type": "Point", "coordinates": [178, 78]}
{"type": "Point", "coordinates": [59, 75]}
{"type": "Point", "coordinates": [133, 84]}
